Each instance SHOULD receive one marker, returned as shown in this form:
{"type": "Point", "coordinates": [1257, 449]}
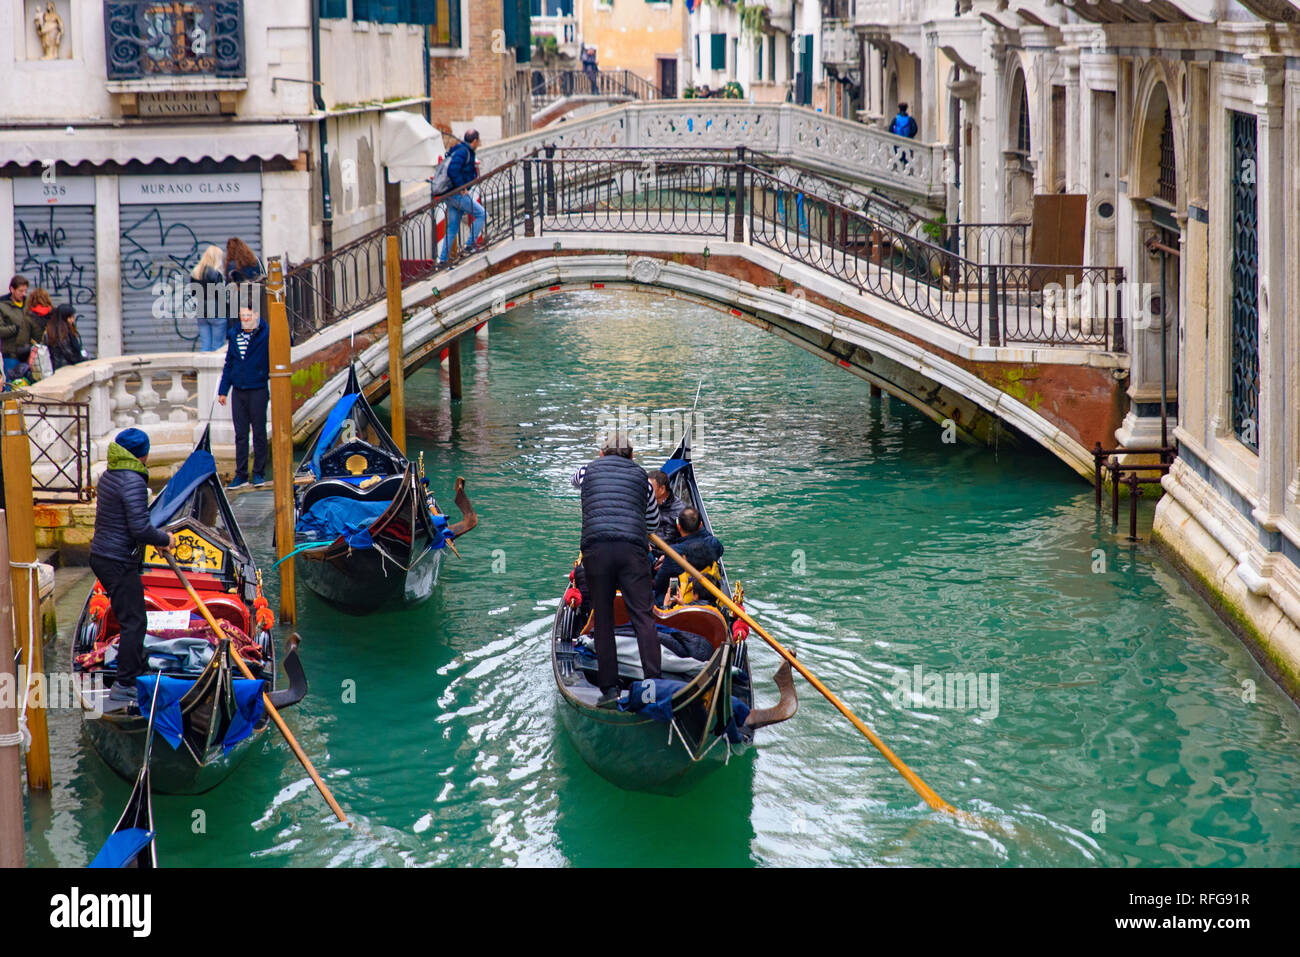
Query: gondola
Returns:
{"type": "Point", "coordinates": [207, 714]}
{"type": "Point", "coordinates": [366, 526]}
{"type": "Point", "coordinates": [666, 735]}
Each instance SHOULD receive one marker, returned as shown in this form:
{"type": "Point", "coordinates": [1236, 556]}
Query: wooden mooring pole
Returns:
{"type": "Point", "coordinates": [396, 350]}
{"type": "Point", "coordinates": [12, 841]}
{"type": "Point", "coordinates": [20, 519]}
{"type": "Point", "coordinates": [282, 434]}
{"type": "Point", "coordinates": [453, 369]}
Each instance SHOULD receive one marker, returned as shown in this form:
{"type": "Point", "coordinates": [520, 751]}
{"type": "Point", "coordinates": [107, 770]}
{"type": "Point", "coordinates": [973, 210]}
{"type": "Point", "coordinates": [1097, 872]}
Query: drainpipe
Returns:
{"type": "Point", "coordinates": [327, 202]}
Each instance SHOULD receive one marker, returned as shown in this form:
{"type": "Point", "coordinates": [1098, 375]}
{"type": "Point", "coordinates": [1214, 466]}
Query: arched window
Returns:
{"type": "Point", "coordinates": [1021, 100]}
{"type": "Point", "coordinates": [1167, 183]}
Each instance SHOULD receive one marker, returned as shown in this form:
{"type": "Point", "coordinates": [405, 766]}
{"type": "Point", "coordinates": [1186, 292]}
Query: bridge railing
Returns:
{"type": "Point", "coordinates": [717, 193]}
{"type": "Point", "coordinates": [321, 291]}
{"type": "Point", "coordinates": [548, 86]}
{"type": "Point", "coordinates": [844, 150]}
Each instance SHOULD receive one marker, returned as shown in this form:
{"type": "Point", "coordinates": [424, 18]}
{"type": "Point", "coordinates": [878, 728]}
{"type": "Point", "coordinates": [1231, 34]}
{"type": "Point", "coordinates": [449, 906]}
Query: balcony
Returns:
{"type": "Point", "coordinates": [839, 45]}
{"type": "Point", "coordinates": [178, 43]}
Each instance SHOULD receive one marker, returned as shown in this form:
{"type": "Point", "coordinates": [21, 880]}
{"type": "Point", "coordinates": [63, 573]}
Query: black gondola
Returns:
{"type": "Point", "coordinates": [367, 528]}
{"type": "Point", "coordinates": [208, 714]}
{"type": "Point", "coordinates": [697, 718]}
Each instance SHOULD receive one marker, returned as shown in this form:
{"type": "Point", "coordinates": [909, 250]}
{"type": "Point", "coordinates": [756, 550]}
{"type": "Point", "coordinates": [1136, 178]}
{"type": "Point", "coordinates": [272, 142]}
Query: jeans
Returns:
{"type": "Point", "coordinates": [462, 203]}
{"type": "Point", "coordinates": [625, 567]}
{"type": "Point", "coordinates": [212, 333]}
{"type": "Point", "coordinates": [248, 409]}
{"type": "Point", "coordinates": [126, 597]}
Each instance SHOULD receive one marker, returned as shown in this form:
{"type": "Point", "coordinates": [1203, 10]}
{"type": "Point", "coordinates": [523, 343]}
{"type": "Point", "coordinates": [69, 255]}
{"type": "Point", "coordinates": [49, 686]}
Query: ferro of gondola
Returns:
{"type": "Point", "coordinates": [266, 699]}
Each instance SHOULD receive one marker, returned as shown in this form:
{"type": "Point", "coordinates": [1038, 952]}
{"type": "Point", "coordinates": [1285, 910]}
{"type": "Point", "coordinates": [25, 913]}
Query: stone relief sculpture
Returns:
{"type": "Point", "coordinates": [49, 27]}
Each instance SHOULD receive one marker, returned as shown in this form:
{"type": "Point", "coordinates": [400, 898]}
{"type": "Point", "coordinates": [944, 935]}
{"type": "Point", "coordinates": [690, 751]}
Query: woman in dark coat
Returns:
{"type": "Point", "coordinates": [63, 339]}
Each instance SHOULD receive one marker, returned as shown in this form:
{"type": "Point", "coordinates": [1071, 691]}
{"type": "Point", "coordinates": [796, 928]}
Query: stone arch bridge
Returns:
{"type": "Point", "coordinates": [1001, 350]}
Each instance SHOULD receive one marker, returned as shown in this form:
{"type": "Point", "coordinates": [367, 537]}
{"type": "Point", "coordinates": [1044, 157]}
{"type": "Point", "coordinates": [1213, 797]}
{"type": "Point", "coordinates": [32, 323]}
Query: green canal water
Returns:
{"type": "Point", "coordinates": [1123, 732]}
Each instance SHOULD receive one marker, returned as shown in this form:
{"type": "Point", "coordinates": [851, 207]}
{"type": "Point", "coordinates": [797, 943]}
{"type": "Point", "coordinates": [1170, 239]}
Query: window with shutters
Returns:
{"type": "Point", "coordinates": [718, 51]}
{"type": "Point", "coordinates": [444, 30]}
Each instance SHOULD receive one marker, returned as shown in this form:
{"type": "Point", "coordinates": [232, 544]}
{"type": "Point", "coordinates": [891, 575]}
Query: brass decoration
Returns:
{"type": "Point", "coordinates": [356, 464]}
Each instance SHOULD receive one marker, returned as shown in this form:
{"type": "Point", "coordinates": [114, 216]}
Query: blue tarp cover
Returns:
{"type": "Point", "coordinates": [188, 477]}
{"type": "Point", "coordinates": [121, 847]}
{"type": "Point", "coordinates": [167, 722]}
{"type": "Point", "coordinates": [248, 703]}
{"type": "Point", "coordinates": [673, 466]}
{"type": "Point", "coordinates": [654, 697]}
{"type": "Point", "coordinates": [338, 415]}
{"type": "Point", "coordinates": [249, 707]}
{"type": "Point", "coordinates": [331, 517]}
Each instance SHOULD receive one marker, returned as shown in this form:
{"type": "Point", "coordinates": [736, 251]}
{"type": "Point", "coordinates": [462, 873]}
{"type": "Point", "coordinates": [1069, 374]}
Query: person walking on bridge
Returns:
{"type": "Point", "coordinates": [462, 168]}
{"type": "Point", "coordinates": [618, 513]}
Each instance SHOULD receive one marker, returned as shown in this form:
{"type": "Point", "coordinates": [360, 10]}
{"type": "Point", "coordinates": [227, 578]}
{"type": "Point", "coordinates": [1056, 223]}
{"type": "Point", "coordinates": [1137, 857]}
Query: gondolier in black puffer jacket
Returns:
{"type": "Point", "coordinates": [121, 526]}
{"type": "Point", "coordinates": [618, 513]}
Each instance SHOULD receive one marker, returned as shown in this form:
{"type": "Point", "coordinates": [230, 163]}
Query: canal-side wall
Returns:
{"type": "Point", "coordinates": [1217, 549]}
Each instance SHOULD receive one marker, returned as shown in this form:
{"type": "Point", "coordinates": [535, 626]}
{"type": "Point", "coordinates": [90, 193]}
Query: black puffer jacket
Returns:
{"type": "Point", "coordinates": [122, 514]}
{"type": "Point", "coordinates": [618, 504]}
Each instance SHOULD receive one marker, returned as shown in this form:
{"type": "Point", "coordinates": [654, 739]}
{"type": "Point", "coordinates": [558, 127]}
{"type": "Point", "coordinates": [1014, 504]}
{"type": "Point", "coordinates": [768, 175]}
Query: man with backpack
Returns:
{"type": "Point", "coordinates": [903, 124]}
{"type": "Point", "coordinates": [461, 167]}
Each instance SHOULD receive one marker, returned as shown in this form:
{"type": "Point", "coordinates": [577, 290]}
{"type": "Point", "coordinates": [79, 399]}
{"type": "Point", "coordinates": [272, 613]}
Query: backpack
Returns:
{"type": "Point", "coordinates": [903, 125]}
{"type": "Point", "coordinates": [442, 178]}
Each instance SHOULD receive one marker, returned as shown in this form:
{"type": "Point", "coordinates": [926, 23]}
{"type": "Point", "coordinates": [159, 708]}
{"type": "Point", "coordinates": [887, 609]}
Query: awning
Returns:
{"type": "Point", "coordinates": [100, 145]}
{"type": "Point", "coordinates": [410, 147]}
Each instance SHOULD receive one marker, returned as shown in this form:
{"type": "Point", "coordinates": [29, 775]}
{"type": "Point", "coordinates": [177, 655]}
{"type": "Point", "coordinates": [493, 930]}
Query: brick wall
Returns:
{"type": "Point", "coordinates": [466, 89]}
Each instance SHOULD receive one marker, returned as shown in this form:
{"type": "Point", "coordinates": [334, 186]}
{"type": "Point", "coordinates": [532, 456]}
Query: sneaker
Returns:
{"type": "Point", "coordinates": [236, 483]}
{"type": "Point", "coordinates": [609, 699]}
{"type": "Point", "coordinates": [259, 480]}
{"type": "Point", "coordinates": [123, 691]}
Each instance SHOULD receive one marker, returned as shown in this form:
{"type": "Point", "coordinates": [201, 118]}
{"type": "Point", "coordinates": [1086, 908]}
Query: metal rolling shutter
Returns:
{"type": "Point", "coordinates": [54, 247]}
{"type": "Point", "coordinates": [162, 242]}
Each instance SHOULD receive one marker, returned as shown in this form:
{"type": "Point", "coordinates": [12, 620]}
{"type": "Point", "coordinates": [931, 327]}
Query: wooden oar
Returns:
{"type": "Point", "coordinates": [266, 699]}
{"type": "Point", "coordinates": [921, 788]}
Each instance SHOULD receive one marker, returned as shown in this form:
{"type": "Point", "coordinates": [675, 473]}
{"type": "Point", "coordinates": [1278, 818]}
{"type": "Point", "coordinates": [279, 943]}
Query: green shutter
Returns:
{"type": "Point", "coordinates": [719, 51]}
{"type": "Point", "coordinates": [334, 9]}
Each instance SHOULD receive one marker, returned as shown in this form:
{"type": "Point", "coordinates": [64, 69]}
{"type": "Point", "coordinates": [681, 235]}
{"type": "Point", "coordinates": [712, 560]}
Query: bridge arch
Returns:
{"type": "Point", "coordinates": [1063, 402]}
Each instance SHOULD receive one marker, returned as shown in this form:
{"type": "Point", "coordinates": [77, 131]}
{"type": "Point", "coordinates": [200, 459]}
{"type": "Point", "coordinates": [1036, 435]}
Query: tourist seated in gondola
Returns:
{"type": "Point", "coordinates": [698, 547]}
{"type": "Point", "coordinates": [670, 506]}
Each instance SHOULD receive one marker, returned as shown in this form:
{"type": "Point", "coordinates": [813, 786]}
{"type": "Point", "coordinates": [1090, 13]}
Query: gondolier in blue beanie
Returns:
{"type": "Point", "coordinates": [121, 526]}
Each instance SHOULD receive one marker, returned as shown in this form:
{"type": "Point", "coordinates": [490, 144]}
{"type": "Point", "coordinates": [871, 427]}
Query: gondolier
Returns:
{"type": "Point", "coordinates": [618, 513]}
{"type": "Point", "coordinates": [121, 526]}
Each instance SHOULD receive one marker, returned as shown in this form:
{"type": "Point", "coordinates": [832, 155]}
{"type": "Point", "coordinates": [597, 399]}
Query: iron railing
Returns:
{"type": "Point", "coordinates": [923, 278]}
{"type": "Point", "coordinates": [145, 38]}
{"type": "Point", "coordinates": [718, 193]}
{"type": "Point", "coordinates": [59, 436]}
{"type": "Point", "coordinates": [987, 242]}
{"type": "Point", "coordinates": [548, 86]}
{"type": "Point", "coordinates": [321, 291]}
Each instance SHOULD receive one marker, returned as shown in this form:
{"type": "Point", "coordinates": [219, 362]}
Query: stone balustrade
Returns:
{"type": "Point", "coordinates": [843, 149]}
{"type": "Point", "coordinates": [170, 395]}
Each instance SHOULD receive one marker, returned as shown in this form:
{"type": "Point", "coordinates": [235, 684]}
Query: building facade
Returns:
{"type": "Point", "coordinates": [1176, 124]}
{"type": "Point", "coordinates": [479, 59]}
{"type": "Point", "coordinates": [772, 48]}
{"type": "Point", "coordinates": [649, 39]}
{"type": "Point", "coordinates": [149, 131]}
